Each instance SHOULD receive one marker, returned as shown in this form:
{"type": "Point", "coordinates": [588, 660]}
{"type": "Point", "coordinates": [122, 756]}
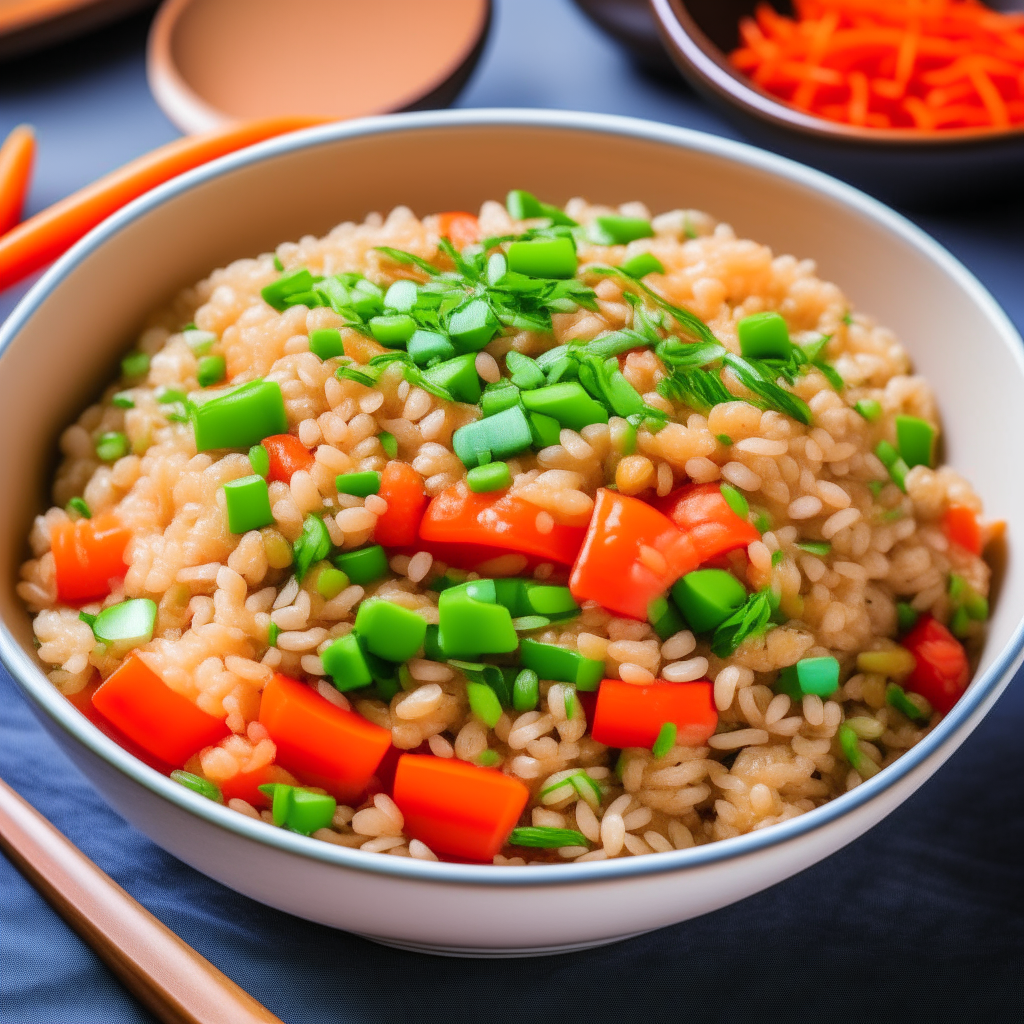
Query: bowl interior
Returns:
{"type": "Point", "coordinates": [63, 343]}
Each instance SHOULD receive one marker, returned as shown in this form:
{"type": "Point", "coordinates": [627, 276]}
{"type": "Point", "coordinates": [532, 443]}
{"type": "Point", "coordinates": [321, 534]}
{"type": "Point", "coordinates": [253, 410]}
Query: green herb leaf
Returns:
{"type": "Point", "coordinates": [408, 258]}
{"type": "Point", "coordinates": [771, 395]}
{"type": "Point", "coordinates": [545, 837]}
{"type": "Point", "coordinates": [750, 620]}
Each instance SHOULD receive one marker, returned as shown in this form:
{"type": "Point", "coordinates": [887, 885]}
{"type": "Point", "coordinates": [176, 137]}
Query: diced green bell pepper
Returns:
{"type": "Point", "coordinates": [389, 630]}
{"type": "Point", "coordinates": [345, 662]}
{"type": "Point", "coordinates": [248, 504]}
{"type": "Point", "coordinates": [363, 565]}
{"type": "Point", "coordinates": [240, 418]}
{"type": "Point", "coordinates": [809, 676]}
{"type": "Point", "coordinates": [707, 597]}
{"type": "Point", "coordinates": [568, 403]}
{"type": "Point", "coordinates": [561, 665]}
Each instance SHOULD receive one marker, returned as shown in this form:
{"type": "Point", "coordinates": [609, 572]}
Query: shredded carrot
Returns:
{"type": "Point", "coordinates": [42, 238]}
{"type": "Point", "coordinates": [927, 65]}
{"type": "Point", "coordinates": [17, 155]}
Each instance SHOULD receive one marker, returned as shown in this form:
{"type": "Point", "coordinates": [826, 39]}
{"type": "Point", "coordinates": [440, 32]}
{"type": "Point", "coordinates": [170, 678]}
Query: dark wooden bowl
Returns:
{"type": "Point", "coordinates": [900, 166]}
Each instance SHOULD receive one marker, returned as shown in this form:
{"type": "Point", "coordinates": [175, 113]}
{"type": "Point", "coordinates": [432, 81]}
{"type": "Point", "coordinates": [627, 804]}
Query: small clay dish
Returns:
{"type": "Point", "coordinates": [901, 166]}
{"type": "Point", "coordinates": [210, 62]}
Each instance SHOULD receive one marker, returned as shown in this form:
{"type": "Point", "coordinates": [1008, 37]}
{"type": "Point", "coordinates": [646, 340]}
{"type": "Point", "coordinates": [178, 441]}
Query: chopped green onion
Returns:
{"type": "Point", "coordinates": [736, 500]}
{"type": "Point", "coordinates": [906, 616]}
{"type": "Point", "coordinates": [458, 377]}
{"type": "Point", "coordinates": [280, 294]}
{"type": "Point", "coordinates": [875, 487]}
{"type": "Point", "coordinates": [471, 624]}
{"type": "Point", "coordinates": [525, 690]}
{"type": "Point", "coordinates": [299, 810]}
{"type": "Point", "coordinates": [240, 418]}
{"type": "Point", "coordinates": [818, 548]}
{"type": "Point", "coordinates": [484, 703]}
{"type": "Point", "coordinates": [664, 618]}
{"type": "Point", "coordinates": [545, 837]}
{"type": "Point", "coordinates": [959, 624]}
{"type": "Point", "coordinates": [273, 631]}
{"type": "Point", "coordinates": [248, 504]}
{"type": "Point", "coordinates": [427, 346]}
{"type": "Point", "coordinates": [561, 665]}
{"type": "Point", "coordinates": [546, 430]}
{"type": "Point", "coordinates": [359, 484]}
{"type": "Point", "coordinates": [724, 439]}
{"type": "Point", "coordinates": [568, 403]}
{"type": "Point", "coordinates": [330, 583]}
{"type": "Point", "coordinates": [401, 296]}
{"type": "Point", "coordinates": [211, 370]}
{"type": "Point", "coordinates": [389, 630]}
{"type": "Point", "coordinates": [526, 374]}
{"type": "Point", "coordinates": [130, 621]}
{"type": "Point", "coordinates": [472, 325]}
{"type": "Point", "coordinates": [614, 230]}
{"type": "Point", "coordinates": [752, 619]}
{"type": "Point", "coordinates": [528, 623]}
{"type": "Point", "coordinates": [326, 343]}
{"type": "Point", "coordinates": [778, 557]}
{"type": "Point", "coordinates": [642, 264]}
{"type": "Point", "coordinates": [80, 506]}
{"type": "Point", "coordinates": [364, 565]}
{"type": "Point", "coordinates": [525, 206]}
{"type": "Point", "coordinates": [666, 740]}
{"type": "Point", "coordinates": [894, 463]}
{"type": "Point", "coordinates": [552, 258]}
{"type": "Point", "coordinates": [809, 676]}
{"type": "Point", "coordinates": [135, 364]}
{"type": "Point", "coordinates": [869, 408]}
{"type": "Point", "coordinates": [764, 336]}
{"type": "Point", "coordinates": [898, 698]}
{"type": "Point", "coordinates": [123, 400]}
{"type": "Point", "coordinates": [915, 439]}
{"type": "Point", "coordinates": [495, 476]}
{"type": "Point", "coordinates": [506, 433]}
{"type": "Point", "coordinates": [707, 597]}
{"type": "Point", "coordinates": [488, 759]}
{"type": "Point", "coordinates": [313, 545]}
{"type": "Point", "coordinates": [259, 459]}
{"type": "Point", "coordinates": [393, 330]}
{"type": "Point", "coordinates": [859, 761]}
{"type": "Point", "coordinates": [198, 785]}
{"type": "Point", "coordinates": [200, 342]}
{"type": "Point", "coordinates": [345, 662]}
{"type": "Point", "coordinates": [389, 443]}
{"type": "Point", "coordinates": [111, 446]}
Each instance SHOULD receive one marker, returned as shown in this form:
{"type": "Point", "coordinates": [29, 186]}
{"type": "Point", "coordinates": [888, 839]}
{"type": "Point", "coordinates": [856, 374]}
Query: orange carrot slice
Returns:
{"type": "Point", "coordinates": [88, 554]}
{"type": "Point", "coordinates": [17, 156]}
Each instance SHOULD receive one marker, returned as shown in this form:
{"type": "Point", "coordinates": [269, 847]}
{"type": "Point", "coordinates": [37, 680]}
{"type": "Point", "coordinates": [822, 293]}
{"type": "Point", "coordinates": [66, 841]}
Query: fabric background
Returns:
{"type": "Point", "coordinates": [922, 919]}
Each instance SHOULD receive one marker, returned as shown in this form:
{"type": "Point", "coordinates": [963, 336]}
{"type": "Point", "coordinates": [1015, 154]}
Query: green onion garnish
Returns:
{"type": "Point", "coordinates": [135, 364]}
{"type": "Point", "coordinates": [198, 785]}
{"type": "Point", "coordinates": [389, 443]}
{"type": "Point", "coordinates": [111, 446]}
{"type": "Point", "coordinates": [546, 838]}
{"type": "Point", "coordinates": [666, 740]}
{"type": "Point", "coordinates": [818, 548]}
{"type": "Point", "coordinates": [79, 505]}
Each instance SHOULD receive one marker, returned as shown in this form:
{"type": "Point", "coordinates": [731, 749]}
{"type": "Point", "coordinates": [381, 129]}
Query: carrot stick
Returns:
{"type": "Point", "coordinates": [42, 238]}
{"type": "Point", "coordinates": [17, 154]}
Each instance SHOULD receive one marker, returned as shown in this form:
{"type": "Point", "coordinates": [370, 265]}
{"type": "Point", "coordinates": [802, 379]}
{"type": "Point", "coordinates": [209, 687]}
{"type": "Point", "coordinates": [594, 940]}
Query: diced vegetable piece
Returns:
{"type": "Point", "coordinates": [112, 446]}
{"type": "Point", "coordinates": [323, 744]}
{"type": "Point", "coordinates": [241, 418]}
{"type": "Point", "coordinates": [389, 630]}
{"type": "Point", "coordinates": [458, 377]}
{"type": "Point", "coordinates": [526, 690]}
{"type": "Point", "coordinates": [330, 583]}
{"type": "Point", "coordinates": [543, 257]}
{"type": "Point", "coordinates": [815, 547]}
{"type": "Point", "coordinates": [498, 397]}
{"type": "Point", "coordinates": [326, 343]}
{"type": "Point", "coordinates": [393, 330]}
{"type": "Point", "coordinates": [81, 506]}
{"type": "Point", "coordinates": [199, 341]}
{"type": "Point", "coordinates": [859, 761]}
{"type": "Point", "coordinates": [359, 484]}
{"type": "Point", "coordinates": [426, 346]}
{"type": "Point", "coordinates": [616, 567]}
{"type": "Point", "coordinates": [568, 403]}
{"type": "Point", "coordinates": [896, 662]}
{"type": "Point", "coordinates": [495, 476]}
{"type": "Point", "coordinates": [705, 513]}
{"type": "Point", "coordinates": [130, 621]}
{"type": "Point", "coordinates": [961, 526]}
{"type": "Point", "coordinates": [506, 433]}
{"type": "Point", "coordinates": [211, 370]}
{"type": "Point", "coordinates": [941, 672]}
{"type": "Point", "coordinates": [87, 555]}
{"type": "Point", "coordinates": [546, 430]}
{"type": "Point", "coordinates": [869, 408]}
{"type": "Point", "coordinates": [279, 292]}
{"type": "Point", "coordinates": [615, 230]}
{"type": "Point", "coordinates": [204, 787]}
{"type": "Point", "coordinates": [135, 364]}
{"type": "Point", "coordinates": [666, 740]}
{"type": "Point", "coordinates": [470, 627]}
{"type": "Point", "coordinates": [526, 374]}
{"type": "Point", "coordinates": [164, 723]}
{"type": "Point", "coordinates": [561, 664]}
{"type": "Point", "coordinates": [546, 837]}
{"type": "Point", "coordinates": [345, 662]}
{"type": "Point", "coordinates": [472, 326]}
{"type": "Point", "coordinates": [402, 488]}
{"type": "Point", "coordinates": [764, 336]}
{"type": "Point", "coordinates": [628, 715]}
{"type": "Point", "coordinates": [524, 206]}
{"type": "Point", "coordinates": [524, 597]}
{"type": "Point", "coordinates": [299, 810]}
{"type": "Point", "coordinates": [894, 463]}
{"type": "Point", "coordinates": [484, 703]}
{"type": "Point", "coordinates": [664, 617]}
{"type": "Point", "coordinates": [287, 455]}
{"type": "Point", "coordinates": [642, 264]}
{"type": "Point", "coordinates": [708, 597]}
{"type": "Point", "coordinates": [906, 616]}
{"type": "Point", "coordinates": [401, 296]}
{"type": "Point", "coordinates": [364, 565]}
{"type": "Point", "coordinates": [915, 439]}
{"type": "Point", "coordinates": [123, 400]}
{"type": "Point", "coordinates": [248, 504]}
{"type": "Point", "coordinates": [461, 227]}
{"type": "Point", "coordinates": [809, 676]}
{"type": "Point", "coordinates": [259, 459]}
{"type": "Point", "coordinates": [457, 809]}
{"type": "Point", "coordinates": [389, 443]}
{"type": "Point", "coordinates": [313, 545]}
{"type": "Point", "coordinates": [458, 515]}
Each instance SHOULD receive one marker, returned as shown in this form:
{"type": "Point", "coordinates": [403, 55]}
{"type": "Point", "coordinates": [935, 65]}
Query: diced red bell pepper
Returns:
{"type": "Point", "coordinates": [460, 227]}
{"type": "Point", "coordinates": [321, 743]}
{"type": "Point", "coordinates": [87, 555]}
{"type": "Point", "coordinates": [632, 716]}
{"type": "Point", "coordinates": [700, 511]}
{"type": "Point", "coordinates": [164, 723]}
{"type": "Point", "coordinates": [961, 526]}
{"type": "Point", "coordinates": [612, 567]}
{"type": "Point", "coordinates": [457, 809]}
{"type": "Point", "coordinates": [508, 523]}
{"type": "Point", "coordinates": [941, 673]}
{"type": "Point", "coordinates": [287, 455]}
{"type": "Point", "coordinates": [402, 488]}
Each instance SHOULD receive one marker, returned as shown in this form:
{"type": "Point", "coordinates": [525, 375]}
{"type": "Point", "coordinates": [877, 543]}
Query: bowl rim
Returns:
{"type": "Point", "coordinates": [967, 711]}
{"type": "Point", "coordinates": [701, 60]}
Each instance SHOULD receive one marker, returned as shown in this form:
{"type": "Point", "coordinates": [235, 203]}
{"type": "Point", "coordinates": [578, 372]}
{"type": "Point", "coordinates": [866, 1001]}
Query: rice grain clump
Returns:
{"type": "Point", "coordinates": [621, 533]}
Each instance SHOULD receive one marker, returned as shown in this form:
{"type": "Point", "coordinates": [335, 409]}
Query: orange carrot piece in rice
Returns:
{"type": "Point", "coordinates": [628, 715]}
{"type": "Point", "coordinates": [402, 488]}
{"type": "Point", "coordinates": [459, 227]}
{"type": "Point", "coordinates": [961, 526]}
{"type": "Point", "coordinates": [287, 455]}
{"type": "Point", "coordinates": [87, 555]}
{"type": "Point", "coordinates": [17, 155]}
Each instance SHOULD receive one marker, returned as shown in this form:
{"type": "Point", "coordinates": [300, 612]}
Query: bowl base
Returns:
{"type": "Point", "coordinates": [510, 953]}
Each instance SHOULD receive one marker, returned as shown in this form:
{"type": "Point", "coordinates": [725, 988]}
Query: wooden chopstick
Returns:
{"type": "Point", "coordinates": [166, 975]}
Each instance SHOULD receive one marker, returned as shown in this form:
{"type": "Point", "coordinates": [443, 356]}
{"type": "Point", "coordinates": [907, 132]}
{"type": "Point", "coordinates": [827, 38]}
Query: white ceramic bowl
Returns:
{"type": "Point", "coordinates": [70, 329]}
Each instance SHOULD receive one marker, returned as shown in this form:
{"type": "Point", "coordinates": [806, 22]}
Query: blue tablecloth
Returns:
{"type": "Point", "coordinates": [921, 919]}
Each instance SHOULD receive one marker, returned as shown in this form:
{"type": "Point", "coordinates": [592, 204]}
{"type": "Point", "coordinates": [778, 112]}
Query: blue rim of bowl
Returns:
{"type": "Point", "coordinates": [964, 716]}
